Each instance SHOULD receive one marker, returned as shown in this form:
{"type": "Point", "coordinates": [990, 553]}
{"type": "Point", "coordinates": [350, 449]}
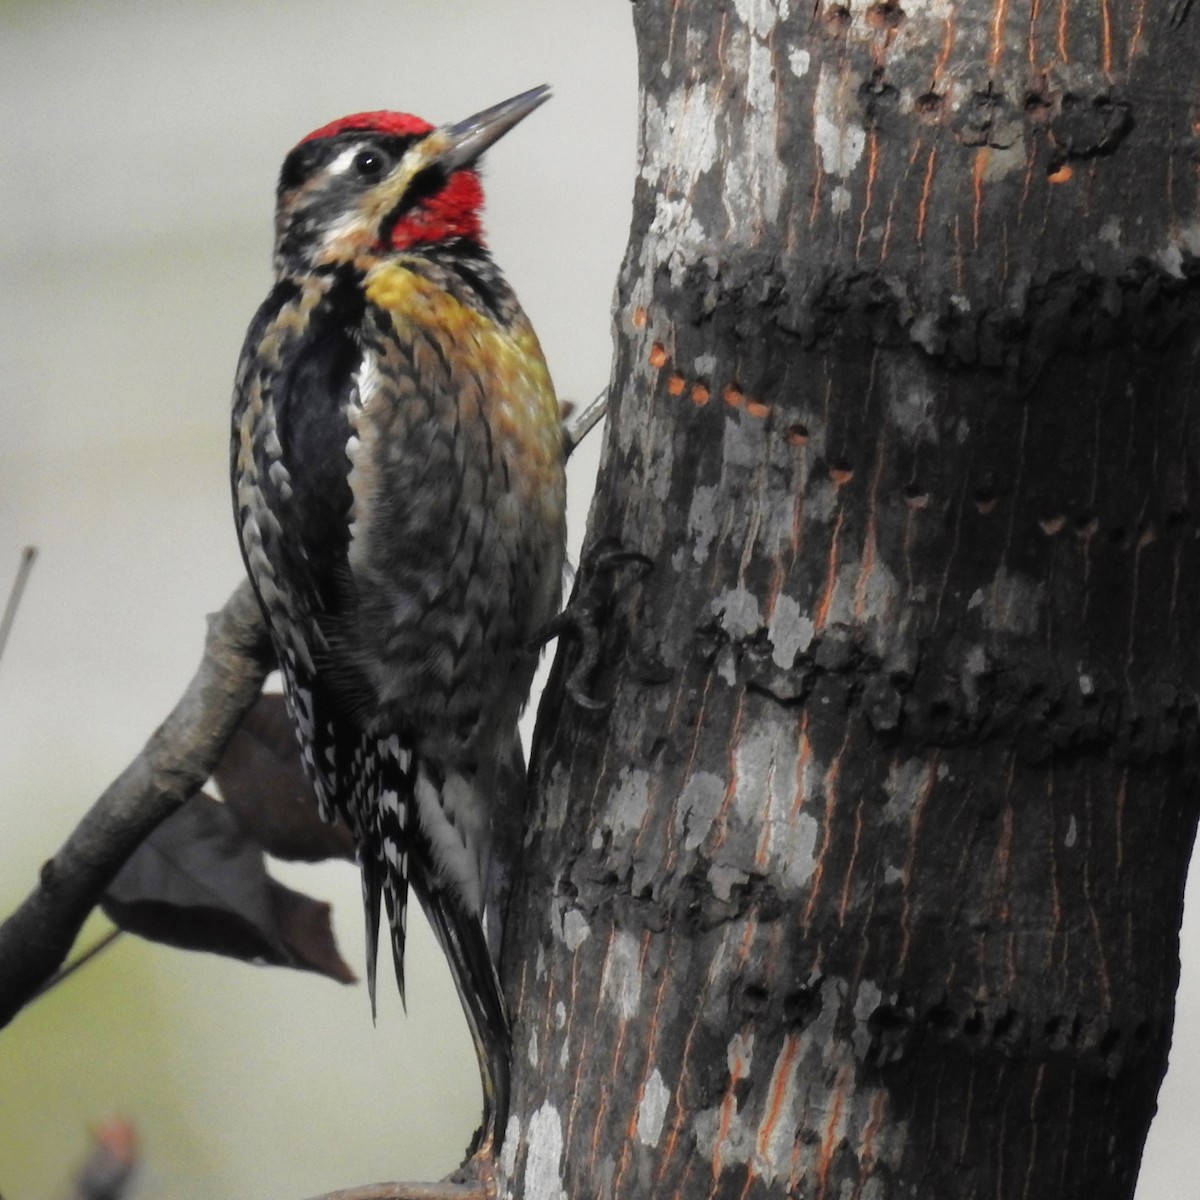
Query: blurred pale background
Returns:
{"type": "Point", "coordinates": [138, 155]}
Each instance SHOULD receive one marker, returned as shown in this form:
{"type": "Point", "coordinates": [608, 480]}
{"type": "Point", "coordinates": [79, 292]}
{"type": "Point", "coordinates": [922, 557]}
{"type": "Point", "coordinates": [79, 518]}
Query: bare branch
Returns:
{"type": "Point", "coordinates": [28, 557]}
{"type": "Point", "coordinates": [174, 763]}
{"type": "Point", "coordinates": [412, 1191]}
{"type": "Point", "coordinates": [81, 960]}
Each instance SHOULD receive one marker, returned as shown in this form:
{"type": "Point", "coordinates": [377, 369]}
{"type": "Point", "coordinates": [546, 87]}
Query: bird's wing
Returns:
{"type": "Point", "coordinates": [293, 502]}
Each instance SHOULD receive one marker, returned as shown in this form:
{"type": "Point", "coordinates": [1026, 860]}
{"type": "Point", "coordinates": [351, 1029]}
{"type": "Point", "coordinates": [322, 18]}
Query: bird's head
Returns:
{"type": "Point", "coordinates": [381, 181]}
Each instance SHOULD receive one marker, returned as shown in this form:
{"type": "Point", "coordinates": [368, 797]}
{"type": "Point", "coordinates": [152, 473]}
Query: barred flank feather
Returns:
{"type": "Point", "coordinates": [379, 792]}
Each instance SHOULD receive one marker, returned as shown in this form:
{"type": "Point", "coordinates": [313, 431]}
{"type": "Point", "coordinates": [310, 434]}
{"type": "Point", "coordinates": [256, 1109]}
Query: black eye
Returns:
{"type": "Point", "coordinates": [370, 164]}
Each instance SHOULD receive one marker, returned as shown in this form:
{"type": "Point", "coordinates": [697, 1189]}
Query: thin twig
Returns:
{"type": "Point", "coordinates": [172, 766]}
{"type": "Point", "coordinates": [579, 424]}
{"type": "Point", "coordinates": [80, 961]}
{"type": "Point", "coordinates": [28, 557]}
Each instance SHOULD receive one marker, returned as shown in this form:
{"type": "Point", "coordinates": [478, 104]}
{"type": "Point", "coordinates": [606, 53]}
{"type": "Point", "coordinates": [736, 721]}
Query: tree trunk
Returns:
{"type": "Point", "coordinates": [869, 881]}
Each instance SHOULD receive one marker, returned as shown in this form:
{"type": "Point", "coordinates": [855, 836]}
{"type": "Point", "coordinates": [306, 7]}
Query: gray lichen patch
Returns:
{"type": "Point", "coordinates": [568, 924]}
{"type": "Point", "coordinates": [1013, 603]}
{"type": "Point", "coordinates": [840, 142]}
{"type": "Point", "coordinates": [697, 807]}
{"type": "Point", "coordinates": [738, 611]}
{"type": "Point", "coordinates": [790, 630]}
{"type": "Point", "coordinates": [703, 522]}
{"type": "Point", "coordinates": [628, 801]}
{"type": "Point", "coordinates": [907, 781]}
{"type": "Point", "coordinates": [652, 1109]}
{"type": "Point", "coordinates": [543, 1160]}
{"type": "Point", "coordinates": [621, 981]}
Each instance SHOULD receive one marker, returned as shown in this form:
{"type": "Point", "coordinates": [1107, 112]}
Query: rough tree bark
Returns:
{"type": "Point", "coordinates": [869, 882]}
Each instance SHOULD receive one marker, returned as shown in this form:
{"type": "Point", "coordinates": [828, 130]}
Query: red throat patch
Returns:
{"type": "Point", "coordinates": [452, 212]}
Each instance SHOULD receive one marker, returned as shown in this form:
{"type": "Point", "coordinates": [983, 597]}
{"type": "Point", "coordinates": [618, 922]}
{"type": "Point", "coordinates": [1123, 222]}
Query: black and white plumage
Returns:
{"type": "Point", "coordinates": [397, 464]}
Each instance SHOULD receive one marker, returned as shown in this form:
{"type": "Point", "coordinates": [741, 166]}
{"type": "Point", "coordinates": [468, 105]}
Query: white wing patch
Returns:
{"type": "Point", "coordinates": [360, 450]}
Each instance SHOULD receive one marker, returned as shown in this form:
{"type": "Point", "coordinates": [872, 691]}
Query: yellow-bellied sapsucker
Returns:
{"type": "Point", "coordinates": [397, 465]}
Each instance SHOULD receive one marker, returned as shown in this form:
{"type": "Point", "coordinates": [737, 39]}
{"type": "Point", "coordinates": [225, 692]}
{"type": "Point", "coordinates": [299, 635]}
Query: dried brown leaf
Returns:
{"type": "Point", "coordinates": [262, 779]}
{"type": "Point", "coordinates": [199, 882]}
{"type": "Point", "coordinates": [305, 926]}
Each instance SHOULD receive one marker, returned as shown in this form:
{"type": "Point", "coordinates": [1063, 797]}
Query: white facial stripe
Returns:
{"type": "Point", "coordinates": [349, 231]}
{"type": "Point", "coordinates": [341, 164]}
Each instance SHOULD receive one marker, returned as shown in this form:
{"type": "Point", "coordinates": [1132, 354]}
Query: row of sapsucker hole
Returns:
{"type": "Point", "coordinates": [1080, 125]}
{"type": "Point", "coordinates": [893, 1026]}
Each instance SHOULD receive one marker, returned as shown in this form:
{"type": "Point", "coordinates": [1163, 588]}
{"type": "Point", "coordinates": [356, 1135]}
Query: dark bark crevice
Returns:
{"type": "Point", "coordinates": [748, 295]}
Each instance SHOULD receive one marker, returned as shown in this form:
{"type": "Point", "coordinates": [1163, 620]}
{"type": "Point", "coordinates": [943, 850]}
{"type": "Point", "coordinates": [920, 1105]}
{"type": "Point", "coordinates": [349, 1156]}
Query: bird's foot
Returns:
{"type": "Point", "coordinates": [586, 613]}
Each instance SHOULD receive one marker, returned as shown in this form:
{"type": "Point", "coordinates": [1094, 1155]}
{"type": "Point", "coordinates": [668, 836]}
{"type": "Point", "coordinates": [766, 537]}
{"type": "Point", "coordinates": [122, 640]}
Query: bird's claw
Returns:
{"type": "Point", "coordinates": [580, 618]}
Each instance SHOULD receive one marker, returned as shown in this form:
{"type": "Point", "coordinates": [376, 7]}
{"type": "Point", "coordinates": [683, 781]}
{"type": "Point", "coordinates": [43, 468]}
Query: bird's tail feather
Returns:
{"type": "Point", "coordinates": [372, 888]}
{"type": "Point", "coordinates": [478, 984]}
{"type": "Point", "coordinates": [381, 802]}
{"type": "Point", "coordinates": [507, 793]}
{"type": "Point", "coordinates": [383, 806]}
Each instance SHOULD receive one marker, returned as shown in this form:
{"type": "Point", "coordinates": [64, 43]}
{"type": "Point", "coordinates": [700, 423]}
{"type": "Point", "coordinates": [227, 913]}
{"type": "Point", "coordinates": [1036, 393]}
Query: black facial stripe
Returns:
{"type": "Point", "coordinates": [310, 157]}
{"type": "Point", "coordinates": [428, 183]}
{"type": "Point", "coordinates": [477, 281]}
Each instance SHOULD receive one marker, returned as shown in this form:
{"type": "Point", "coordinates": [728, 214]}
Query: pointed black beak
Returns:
{"type": "Point", "coordinates": [464, 142]}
